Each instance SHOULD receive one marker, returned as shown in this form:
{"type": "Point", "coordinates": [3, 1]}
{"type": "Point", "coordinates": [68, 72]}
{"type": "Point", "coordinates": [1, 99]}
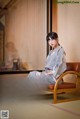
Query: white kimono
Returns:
{"type": "Point", "coordinates": [56, 63]}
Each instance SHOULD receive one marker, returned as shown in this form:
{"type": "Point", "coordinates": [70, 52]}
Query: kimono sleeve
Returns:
{"type": "Point", "coordinates": [59, 61]}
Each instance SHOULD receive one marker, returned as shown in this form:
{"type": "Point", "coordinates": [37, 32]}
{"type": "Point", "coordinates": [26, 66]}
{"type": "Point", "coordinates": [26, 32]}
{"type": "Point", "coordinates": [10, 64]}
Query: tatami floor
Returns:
{"type": "Point", "coordinates": [13, 98]}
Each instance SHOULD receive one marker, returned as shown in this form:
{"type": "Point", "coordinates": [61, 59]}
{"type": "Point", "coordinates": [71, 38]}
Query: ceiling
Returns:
{"type": "Point", "coordinates": [4, 5]}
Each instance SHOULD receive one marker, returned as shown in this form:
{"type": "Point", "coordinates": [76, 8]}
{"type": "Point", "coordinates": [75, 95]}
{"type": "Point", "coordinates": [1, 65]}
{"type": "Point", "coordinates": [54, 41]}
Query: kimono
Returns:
{"type": "Point", "coordinates": [56, 63]}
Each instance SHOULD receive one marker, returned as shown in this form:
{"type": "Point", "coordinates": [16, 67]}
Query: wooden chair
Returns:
{"type": "Point", "coordinates": [66, 87]}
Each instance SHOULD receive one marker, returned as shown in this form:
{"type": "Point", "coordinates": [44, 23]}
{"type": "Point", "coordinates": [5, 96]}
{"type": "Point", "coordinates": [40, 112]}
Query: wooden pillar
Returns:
{"type": "Point", "coordinates": [51, 18]}
{"type": "Point", "coordinates": [54, 16]}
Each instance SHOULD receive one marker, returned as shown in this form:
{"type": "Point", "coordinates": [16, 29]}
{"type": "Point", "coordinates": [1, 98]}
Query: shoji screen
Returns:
{"type": "Point", "coordinates": [26, 28]}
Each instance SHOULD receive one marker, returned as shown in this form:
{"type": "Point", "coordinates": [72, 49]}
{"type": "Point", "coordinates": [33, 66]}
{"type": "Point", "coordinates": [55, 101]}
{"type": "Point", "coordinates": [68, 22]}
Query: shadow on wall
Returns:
{"type": "Point", "coordinates": [74, 55]}
{"type": "Point", "coordinates": [13, 58]}
{"type": "Point", "coordinates": [12, 54]}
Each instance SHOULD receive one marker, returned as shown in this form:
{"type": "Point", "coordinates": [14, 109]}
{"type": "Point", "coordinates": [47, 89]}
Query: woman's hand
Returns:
{"type": "Point", "coordinates": [50, 72]}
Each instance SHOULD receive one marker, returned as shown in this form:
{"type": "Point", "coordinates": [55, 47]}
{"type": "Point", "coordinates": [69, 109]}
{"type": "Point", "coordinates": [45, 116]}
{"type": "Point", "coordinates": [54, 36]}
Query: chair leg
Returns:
{"type": "Point", "coordinates": [55, 98]}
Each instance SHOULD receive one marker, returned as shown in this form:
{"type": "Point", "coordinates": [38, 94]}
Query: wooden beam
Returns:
{"type": "Point", "coordinates": [3, 10]}
{"type": "Point", "coordinates": [10, 3]}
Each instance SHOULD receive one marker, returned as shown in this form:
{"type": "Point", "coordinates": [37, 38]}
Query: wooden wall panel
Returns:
{"type": "Point", "coordinates": [69, 30]}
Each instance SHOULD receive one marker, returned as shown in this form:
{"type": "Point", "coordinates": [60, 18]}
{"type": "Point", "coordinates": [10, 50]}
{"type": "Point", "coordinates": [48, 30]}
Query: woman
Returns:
{"type": "Point", "coordinates": [54, 67]}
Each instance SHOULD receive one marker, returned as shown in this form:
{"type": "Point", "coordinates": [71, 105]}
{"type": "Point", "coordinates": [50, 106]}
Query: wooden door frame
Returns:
{"type": "Point", "coordinates": [52, 16]}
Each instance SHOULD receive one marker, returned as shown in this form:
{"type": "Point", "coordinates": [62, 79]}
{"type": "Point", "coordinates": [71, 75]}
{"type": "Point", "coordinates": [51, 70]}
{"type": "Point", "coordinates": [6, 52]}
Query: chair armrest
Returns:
{"type": "Point", "coordinates": [61, 77]}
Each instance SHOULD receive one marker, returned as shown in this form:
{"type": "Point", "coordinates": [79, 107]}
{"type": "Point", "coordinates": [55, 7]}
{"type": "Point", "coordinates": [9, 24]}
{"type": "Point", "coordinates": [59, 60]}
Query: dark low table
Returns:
{"type": "Point", "coordinates": [23, 71]}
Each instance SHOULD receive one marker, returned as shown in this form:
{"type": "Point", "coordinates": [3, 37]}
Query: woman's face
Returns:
{"type": "Point", "coordinates": [53, 43]}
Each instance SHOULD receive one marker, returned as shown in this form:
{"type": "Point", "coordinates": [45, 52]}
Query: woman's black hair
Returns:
{"type": "Point", "coordinates": [51, 35]}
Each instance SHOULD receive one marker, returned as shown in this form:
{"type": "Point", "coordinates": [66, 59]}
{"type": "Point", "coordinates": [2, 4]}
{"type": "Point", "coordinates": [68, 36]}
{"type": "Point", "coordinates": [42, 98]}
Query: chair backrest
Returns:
{"type": "Point", "coordinates": [74, 66]}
